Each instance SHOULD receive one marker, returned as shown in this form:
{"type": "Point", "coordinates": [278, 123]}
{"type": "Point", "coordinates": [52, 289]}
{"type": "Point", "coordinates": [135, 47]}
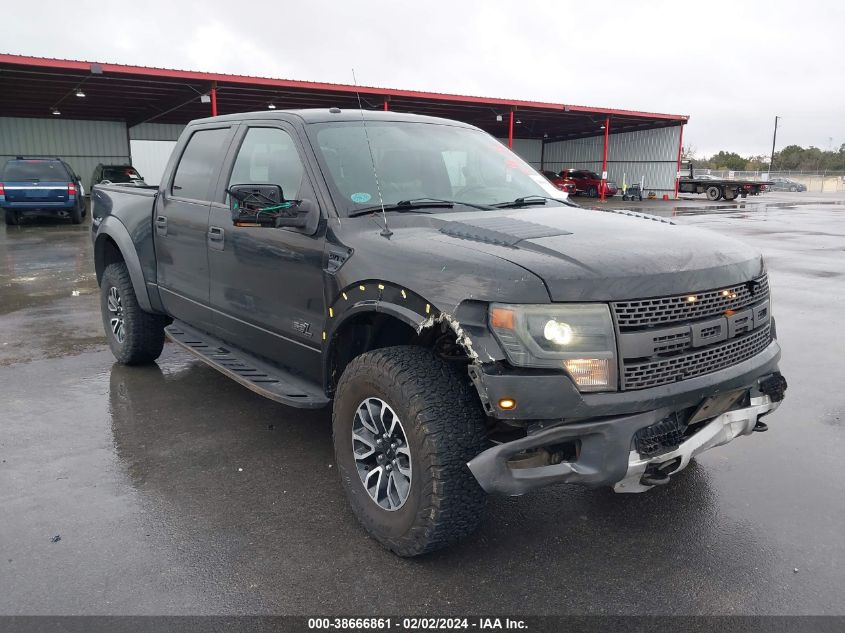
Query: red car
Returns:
{"type": "Point", "coordinates": [564, 184]}
{"type": "Point", "coordinates": [589, 182]}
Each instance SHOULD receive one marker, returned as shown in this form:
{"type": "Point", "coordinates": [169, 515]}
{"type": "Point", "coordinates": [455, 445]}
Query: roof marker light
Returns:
{"type": "Point", "coordinates": [80, 94]}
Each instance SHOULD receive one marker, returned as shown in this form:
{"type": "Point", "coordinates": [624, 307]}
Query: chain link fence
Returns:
{"type": "Point", "coordinates": [815, 182]}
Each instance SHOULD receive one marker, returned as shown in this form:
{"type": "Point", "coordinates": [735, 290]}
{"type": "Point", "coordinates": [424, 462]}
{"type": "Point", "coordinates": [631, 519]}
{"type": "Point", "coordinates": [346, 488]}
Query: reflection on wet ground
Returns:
{"type": "Point", "coordinates": [174, 490]}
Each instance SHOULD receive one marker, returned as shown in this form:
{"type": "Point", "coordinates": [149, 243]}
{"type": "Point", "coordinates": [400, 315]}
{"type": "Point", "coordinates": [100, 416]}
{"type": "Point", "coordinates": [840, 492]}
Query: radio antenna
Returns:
{"type": "Point", "coordinates": [385, 232]}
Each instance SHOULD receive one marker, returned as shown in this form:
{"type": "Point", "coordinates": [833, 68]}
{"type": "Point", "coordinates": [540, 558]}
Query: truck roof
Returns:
{"type": "Point", "coordinates": [323, 115]}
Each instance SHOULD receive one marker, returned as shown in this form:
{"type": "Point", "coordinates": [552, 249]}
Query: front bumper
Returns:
{"type": "Point", "coordinates": [607, 453]}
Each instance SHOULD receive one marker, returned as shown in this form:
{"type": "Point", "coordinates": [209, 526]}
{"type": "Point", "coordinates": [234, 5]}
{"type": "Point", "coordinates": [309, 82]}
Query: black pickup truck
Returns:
{"type": "Point", "coordinates": [473, 332]}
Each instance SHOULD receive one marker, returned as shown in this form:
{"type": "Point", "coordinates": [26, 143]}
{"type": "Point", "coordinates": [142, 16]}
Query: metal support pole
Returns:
{"type": "Point", "coordinates": [678, 171]}
{"type": "Point", "coordinates": [774, 138]}
{"type": "Point", "coordinates": [510, 131]}
{"type": "Point", "coordinates": [386, 104]}
{"type": "Point", "coordinates": [604, 159]}
{"type": "Point", "coordinates": [213, 98]}
{"type": "Point", "coordinates": [542, 154]}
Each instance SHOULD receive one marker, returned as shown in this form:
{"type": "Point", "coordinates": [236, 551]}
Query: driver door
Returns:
{"type": "Point", "coordinates": [267, 283]}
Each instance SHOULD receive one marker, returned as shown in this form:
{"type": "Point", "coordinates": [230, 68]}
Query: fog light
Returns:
{"type": "Point", "coordinates": [590, 374]}
{"type": "Point", "coordinates": [507, 404]}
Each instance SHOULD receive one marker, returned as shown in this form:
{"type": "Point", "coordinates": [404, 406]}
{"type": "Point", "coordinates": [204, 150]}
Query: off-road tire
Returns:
{"type": "Point", "coordinates": [12, 218]}
{"type": "Point", "coordinates": [143, 332]}
{"type": "Point", "coordinates": [444, 423]}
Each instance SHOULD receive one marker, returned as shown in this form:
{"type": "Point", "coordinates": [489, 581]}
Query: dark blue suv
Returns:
{"type": "Point", "coordinates": [40, 186]}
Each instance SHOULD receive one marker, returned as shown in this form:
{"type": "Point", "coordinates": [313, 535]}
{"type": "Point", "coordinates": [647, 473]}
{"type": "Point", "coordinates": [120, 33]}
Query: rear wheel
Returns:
{"type": "Point", "coordinates": [12, 218]}
{"type": "Point", "coordinates": [793, 188]}
{"type": "Point", "coordinates": [135, 337]}
{"type": "Point", "coordinates": [714, 192]}
{"type": "Point", "coordinates": [78, 211]}
{"type": "Point", "coordinates": [405, 423]}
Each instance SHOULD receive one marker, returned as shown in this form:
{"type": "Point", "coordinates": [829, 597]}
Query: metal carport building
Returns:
{"type": "Point", "coordinates": [90, 112]}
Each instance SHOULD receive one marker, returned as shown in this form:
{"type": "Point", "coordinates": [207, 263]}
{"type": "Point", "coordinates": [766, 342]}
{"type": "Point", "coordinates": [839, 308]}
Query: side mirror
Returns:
{"type": "Point", "coordinates": [265, 205]}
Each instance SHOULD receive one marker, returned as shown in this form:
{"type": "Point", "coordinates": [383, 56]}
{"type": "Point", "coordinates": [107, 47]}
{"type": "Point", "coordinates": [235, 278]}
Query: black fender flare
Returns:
{"type": "Point", "coordinates": [371, 296]}
{"type": "Point", "coordinates": [376, 296]}
{"type": "Point", "coordinates": [115, 229]}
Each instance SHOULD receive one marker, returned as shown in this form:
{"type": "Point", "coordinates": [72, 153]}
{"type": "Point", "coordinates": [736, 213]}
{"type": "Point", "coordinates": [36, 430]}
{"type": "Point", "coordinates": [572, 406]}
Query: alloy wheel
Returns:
{"type": "Point", "coordinates": [382, 455]}
{"type": "Point", "coordinates": [115, 308]}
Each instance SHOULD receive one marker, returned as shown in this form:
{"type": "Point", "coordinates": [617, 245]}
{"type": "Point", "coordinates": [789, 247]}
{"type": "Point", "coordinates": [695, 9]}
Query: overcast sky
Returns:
{"type": "Point", "coordinates": [731, 66]}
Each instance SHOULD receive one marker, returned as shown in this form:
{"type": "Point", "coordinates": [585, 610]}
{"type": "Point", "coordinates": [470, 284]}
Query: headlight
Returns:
{"type": "Point", "coordinates": [577, 338]}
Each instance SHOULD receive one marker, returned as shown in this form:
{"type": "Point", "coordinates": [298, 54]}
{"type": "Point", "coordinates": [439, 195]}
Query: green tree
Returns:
{"type": "Point", "coordinates": [728, 160]}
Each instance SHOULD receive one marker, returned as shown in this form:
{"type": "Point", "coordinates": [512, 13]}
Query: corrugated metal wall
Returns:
{"type": "Point", "coordinates": [82, 144]}
{"type": "Point", "coordinates": [649, 154]}
{"type": "Point", "coordinates": [528, 149]}
{"type": "Point", "coordinates": [156, 132]}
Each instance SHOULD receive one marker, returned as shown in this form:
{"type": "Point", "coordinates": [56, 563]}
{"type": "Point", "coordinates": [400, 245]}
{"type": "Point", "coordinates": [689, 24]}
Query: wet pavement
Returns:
{"type": "Point", "coordinates": [175, 491]}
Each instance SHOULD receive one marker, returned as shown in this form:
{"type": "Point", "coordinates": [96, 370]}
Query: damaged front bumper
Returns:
{"type": "Point", "coordinates": [606, 449]}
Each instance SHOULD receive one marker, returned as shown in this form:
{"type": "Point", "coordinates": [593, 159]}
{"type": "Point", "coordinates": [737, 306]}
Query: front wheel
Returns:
{"type": "Point", "coordinates": [405, 424]}
{"type": "Point", "coordinates": [793, 189]}
{"type": "Point", "coordinates": [135, 337]}
{"type": "Point", "coordinates": [593, 192]}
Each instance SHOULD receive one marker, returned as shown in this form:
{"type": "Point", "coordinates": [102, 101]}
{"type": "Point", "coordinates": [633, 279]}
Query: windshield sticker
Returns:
{"type": "Point", "coordinates": [360, 197]}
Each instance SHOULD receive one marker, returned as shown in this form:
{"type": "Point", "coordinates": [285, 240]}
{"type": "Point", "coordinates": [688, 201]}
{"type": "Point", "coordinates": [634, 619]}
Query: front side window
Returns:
{"type": "Point", "coordinates": [268, 156]}
{"type": "Point", "coordinates": [421, 160]}
{"type": "Point", "coordinates": [198, 164]}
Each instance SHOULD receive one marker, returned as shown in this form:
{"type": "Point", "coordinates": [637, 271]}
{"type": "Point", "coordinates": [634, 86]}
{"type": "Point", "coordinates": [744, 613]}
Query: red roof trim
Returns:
{"type": "Point", "coordinates": [69, 64]}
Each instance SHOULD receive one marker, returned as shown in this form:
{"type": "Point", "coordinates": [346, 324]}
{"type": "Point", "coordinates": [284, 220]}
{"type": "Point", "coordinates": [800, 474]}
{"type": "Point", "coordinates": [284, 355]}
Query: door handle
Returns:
{"type": "Point", "coordinates": [161, 225]}
{"type": "Point", "coordinates": [215, 237]}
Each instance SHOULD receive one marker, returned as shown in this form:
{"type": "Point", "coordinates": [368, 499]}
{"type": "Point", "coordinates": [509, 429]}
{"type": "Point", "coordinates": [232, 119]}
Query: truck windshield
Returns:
{"type": "Point", "coordinates": [422, 160]}
{"type": "Point", "coordinates": [34, 170]}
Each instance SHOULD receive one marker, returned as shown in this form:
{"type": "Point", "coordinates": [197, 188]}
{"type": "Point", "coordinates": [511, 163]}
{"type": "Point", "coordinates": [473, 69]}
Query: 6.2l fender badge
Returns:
{"type": "Point", "coordinates": [303, 327]}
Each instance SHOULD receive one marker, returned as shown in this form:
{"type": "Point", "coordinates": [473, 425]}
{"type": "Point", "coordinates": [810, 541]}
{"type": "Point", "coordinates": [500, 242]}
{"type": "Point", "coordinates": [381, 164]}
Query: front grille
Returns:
{"type": "Point", "coordinates": [661, 437]}
{"type": "Point", "coordinates": [641, 375]}
{"type": "Point", "coordinates": [662, 311]}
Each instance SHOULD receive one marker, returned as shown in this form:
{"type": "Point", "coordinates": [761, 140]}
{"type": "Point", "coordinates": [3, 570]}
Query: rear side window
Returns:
{"type": "Point", "coordinates": [198, 164]}
{"type": "Point", "coordinates": [35, 170]}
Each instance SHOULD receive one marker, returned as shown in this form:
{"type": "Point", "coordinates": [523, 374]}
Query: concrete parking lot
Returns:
{"type": "Point", "coordinates": [169, 489]}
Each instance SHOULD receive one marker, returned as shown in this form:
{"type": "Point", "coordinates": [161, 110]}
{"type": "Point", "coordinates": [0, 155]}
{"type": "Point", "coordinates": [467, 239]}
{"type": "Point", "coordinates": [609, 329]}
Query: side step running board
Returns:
{"type": "Point", "coordinates": [259, 376]}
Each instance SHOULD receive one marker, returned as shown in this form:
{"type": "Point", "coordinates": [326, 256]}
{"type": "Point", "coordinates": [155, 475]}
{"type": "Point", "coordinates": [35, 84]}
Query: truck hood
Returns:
{"type": "Point", "coordinates": [600, 255]}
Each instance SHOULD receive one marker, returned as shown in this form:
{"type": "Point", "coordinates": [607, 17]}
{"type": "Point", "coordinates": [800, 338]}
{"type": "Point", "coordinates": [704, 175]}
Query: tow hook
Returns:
{"type": "Point", "coordinates": [658, 474]}
{"type": "Point", "coordinates": [774, 386]}
{"type": "Point", "coordinates": [761, 427]}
